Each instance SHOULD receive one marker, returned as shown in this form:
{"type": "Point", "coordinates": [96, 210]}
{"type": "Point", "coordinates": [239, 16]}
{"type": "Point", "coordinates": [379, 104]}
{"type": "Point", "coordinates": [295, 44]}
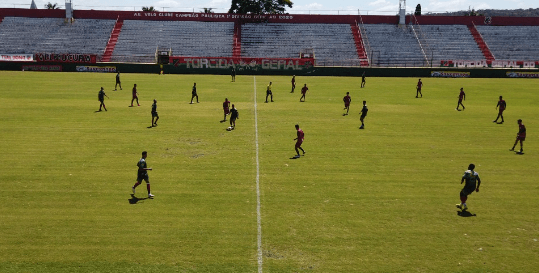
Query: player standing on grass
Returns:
{"type": "Point", "coordinates": [226, 106]}
{"type": "Point", "coordinates": [299, 141]}
{"type": "Point", "coordinates": [462, 97]}
{"type": "Point", "coordinates": [118, 82]}
{"type": "Point", "coordinates": [233, 116]}
{"type": "Point", "coordinates": [363, 80]}
{"type": "Point", "coordinates": [502, 105]}
{"type": "Point", "coordinates": [101, 98]}
{"type": "Point", "coordinates": [233, 73]}
{"type": "Point", "coordinates": [293, 83]}
{"type": "Point", "coordinates": [418, 88]}
{"type": "Point", "coordinates": [521, 136]}
{"type": "Point", "coordinates": [142, 174]}
{"type": "Point", "coordinates": [194, 93]}
{"type": "Point", "coordinates": [135, 95]}
{"type": "Point", "coordinates": [268, 93]}
{"type": "Point", "coordinates": [347, 99]}
{"type": "Point", "coordinates": [471, 177]}
{"type": "Point", "coordinates": [363, 113]}
{"type": "Point", "coordinates": [154, 113]}
{"type": "Point", "coordinates": [304, 90]}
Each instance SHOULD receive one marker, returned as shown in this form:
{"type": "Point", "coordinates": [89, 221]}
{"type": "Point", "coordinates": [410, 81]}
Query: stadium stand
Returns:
{"type": "Point", "coordinates": [512, 42]}
{"type": "Point", "coordinates": [333, 44]}
{"type": "Point", "coordinates": [139, 39]}
{"type": "Point", "coordinates": [21, 35]}
{"type": "Point", "coordinates": [453, 42]}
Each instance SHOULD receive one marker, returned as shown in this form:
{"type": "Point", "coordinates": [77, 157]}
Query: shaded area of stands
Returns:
{"type": "Point", "coordinates": [512, 42]}
{"type": "Point", "coordinates": [139, 39]}
{"type": "Point", "coordinates": [20, 35]}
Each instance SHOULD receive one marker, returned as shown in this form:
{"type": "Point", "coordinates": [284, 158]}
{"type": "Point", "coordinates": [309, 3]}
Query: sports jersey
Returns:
{"type": "Point", "coordinates": [301, 135]}
{"type": "Point", "coordinates": [194, 92]}
{"type": "Point", "coordinates": [521, 131]}
{"type": "Point", "coordinates": [154, 107]}
{"type": "Point", "coordinates": [419, 85]}
{"type": "Point", "coordinates": [304, 89]}
{"type": "Point", "coordinates": [471, 178]}
{"type": "Point", "coordinates": [101, 95]}
{"type": "Point", "coordinates": [347, 99]}
{"type": "Point", "coordinates": [364, 110]}
{"type": "Point", "coordinates": [225, 104]}
{"type": "Point", "coordinates": [142, 165]}
{"type": "Point", "coordinates": [117, 77]}
{"type": "Point", "coordinates": [293, 80]}
{"type": "Point", "coordinates": [134, 92]}
{"type": "Point", "coordinates": [268, 90]}
{"type": "Point", "coordinates": [502, 105]}
{"type": "Point", "coordinates": [234, 114]}
{"type": "Point", "coordinates": [461, 95]}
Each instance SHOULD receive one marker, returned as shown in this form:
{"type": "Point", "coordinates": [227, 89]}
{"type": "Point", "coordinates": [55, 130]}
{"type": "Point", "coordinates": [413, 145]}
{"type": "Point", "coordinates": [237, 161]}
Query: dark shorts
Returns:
{"type": "Point", "coordinates": [226, 110]}
{"type": "Point", "coordinates": [362, 117]}
{"type": "Point", "coordinates": [298, 144]}
{"type": "Point", "coordinates": [501, 111]}
{"type": "Point", "coordinates": [101, 100]}
{"type": "Point", "coordinates": [521, 138]}
{"type": "Point", "coordinates": [154, 114]}
{"type": "Point", "coordinates": [135, 97]}
{"type": "Point", "coordinates": [233, 119]}
{"type": "Point", "coordinates": [143, 176]}
{"type": "Point", "coordinates": [268, 92]}
{"type": "Point", "coordinates": [346, 104]}
{"type": "Point", "coordinates": [466, 192]}
{"type": "Point", "coordinates": [460, 100]}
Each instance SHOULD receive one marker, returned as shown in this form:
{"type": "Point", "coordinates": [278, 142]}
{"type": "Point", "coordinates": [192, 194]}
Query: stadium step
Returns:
{"type": "Point", "coordinates": [361, 53]}
{"type": "Point", "coordinates": [481, 43]}
{"type": "Point", "coordinates": [111, 44]}
{"type": "Point", "coordinates": [236, 45]}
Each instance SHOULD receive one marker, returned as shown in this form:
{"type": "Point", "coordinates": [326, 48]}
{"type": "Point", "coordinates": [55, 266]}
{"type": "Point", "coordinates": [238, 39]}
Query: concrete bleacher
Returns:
{"type": "Point", "coordinates": [512, 42]}
{"type": "Point", "coordinates": [333, 44]}
{"type": "Point", "coordinates": [392, 45]}
{"type": "Point", "coordinates": [139, 39]}
{"type": "Point", "coordinates": [451, 42]}
{"type": "Point", "coordinates": [21, 35]}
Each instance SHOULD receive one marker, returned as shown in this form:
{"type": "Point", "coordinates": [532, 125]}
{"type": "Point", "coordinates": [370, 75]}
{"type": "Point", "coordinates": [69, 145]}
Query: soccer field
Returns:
{"type": "Point", "coordinates": [380, 199]}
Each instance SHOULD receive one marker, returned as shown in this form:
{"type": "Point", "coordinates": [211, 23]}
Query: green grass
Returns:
{"type": "Point", "coordinates": [374, 200]}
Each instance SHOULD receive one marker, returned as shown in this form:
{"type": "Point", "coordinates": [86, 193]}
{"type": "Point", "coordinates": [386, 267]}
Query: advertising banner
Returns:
{"type": "Point", "coordinates": [16, 57]}
{"type": "Point", "coordinates": [242, 63]}
{"type": "Point", "coordinates": [513, 74]}
{"type": "Point", "coordinates": [104, 69]}
{"type": "Point", "coordinates": [493, 64]}
{"type": "Point", "coordinates": [66, 58]}
{"type": "Point", "coordinates": [450, 74]}
{"type": "Point", "coordinates": [56, 68]}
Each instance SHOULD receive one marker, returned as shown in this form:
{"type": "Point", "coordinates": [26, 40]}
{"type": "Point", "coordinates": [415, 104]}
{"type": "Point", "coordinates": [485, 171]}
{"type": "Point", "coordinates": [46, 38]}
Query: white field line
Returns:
{"type": "Point", "coordinates": [258, 216]}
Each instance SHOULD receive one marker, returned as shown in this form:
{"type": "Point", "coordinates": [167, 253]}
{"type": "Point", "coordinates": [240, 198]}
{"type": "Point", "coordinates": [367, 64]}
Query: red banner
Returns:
{"type": "Point", "coordinates": [243, 63]}
{"type": "Point", "coordinates": [66, 58]}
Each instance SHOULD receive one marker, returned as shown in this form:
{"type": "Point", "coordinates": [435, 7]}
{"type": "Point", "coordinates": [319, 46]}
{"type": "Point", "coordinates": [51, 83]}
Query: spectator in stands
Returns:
{"type": "Point", "coordinates": [233, 73]}
{"type": "Point", "coordinates": [304, 90]}
{"type": "Point", "coordinates": [135, 95]}
{"type": "Point", "coordinates": [118, 82]}
{"type": "Point", "coordinates": [293, 83]}
{"type": "Point", "coordinates": [363, 80]}
{"type": "Point", "coordinates": [194, 93]}
{"type": "Point", "coordinates": [418, 89]}
{"type": "Point", "coordinates": [268, 93]}
{"type": "Point", "coordinates": [101, 97]}
{"type": "Point", "coordinates": [462, 97]}
{"type": "Point", "coordinates": [502, 105]}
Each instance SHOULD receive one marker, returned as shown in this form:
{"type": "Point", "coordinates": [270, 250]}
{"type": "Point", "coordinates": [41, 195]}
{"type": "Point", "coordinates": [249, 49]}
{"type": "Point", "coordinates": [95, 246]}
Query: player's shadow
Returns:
{"type": "Point", "coordinates": [295, 157]}
{"type": "Point", "coordinates": [221, 121]}
{"type": "Point", "coordinates": [519, 153]}
{"type": "Point", "coordinates": [465, 213]}
{"type": "Point", "coordinates": [135, 199]}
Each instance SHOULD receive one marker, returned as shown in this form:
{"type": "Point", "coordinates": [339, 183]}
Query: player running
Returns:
{"type": "Point", "coordinates": [363, 113]}
{"type": "Point", "coordinates": [268, 93]}
{"type": "Point", "coordinates": [226, 106]}
{"type": "Point", "coordinates": [135, 95]}
{"type": "Point", "coordinates": [142, 174]}
{"type": "Point", "coordinates": [502, 105]}
{"type": "Point", "coordinates": [521, 136]}
{"type": "Point", "coordinates": [304, 90]}
{"type": "Point", "coordinates": [299, 141]}
{"type": "Point", "coordinates": [363, 80]}
{"type": "Point", "coordinates": [471, 177]}
{"type": "Point", "coordinates": [347, 99]}
{"type": "Point", "coordinates": [194, 93]}
{"type": "Point", "coordinates": [118, 82]}
{"type": "Point", "coordinates": [462, 96]}
{"type": "Point", "coordinates": [101, 98]}
{"type": "Point", "coordinates": [233, 116]}
{"type": "Point", "coordinates": [418, 89]}
{"type": "Point", "coordinates": [293, 83]}
{"type": "Point", "coordinates": [154, 113]}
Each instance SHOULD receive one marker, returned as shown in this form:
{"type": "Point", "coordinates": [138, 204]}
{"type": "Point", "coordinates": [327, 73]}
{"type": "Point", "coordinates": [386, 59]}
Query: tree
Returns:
{"type": "Point", "coordinates": [148, 9]}
{"type": "Point", "coordinates": [259, 6]}
{"type": "Point", "coordinates": [417, 10]}
{"type": "Point", "coordinates": [52, 6]}
{"type": "Point", "coordinates": [208, 10]}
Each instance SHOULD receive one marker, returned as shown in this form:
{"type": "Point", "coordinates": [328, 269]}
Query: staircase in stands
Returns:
{"type": "Point", "coordinates": [481, 43]}
{"type": "Point", "coordinates": [111, 44]}
{"type": "Point", "coordinates": [236, 48]}
{"type": "Point", "coordinates": [360, 47]}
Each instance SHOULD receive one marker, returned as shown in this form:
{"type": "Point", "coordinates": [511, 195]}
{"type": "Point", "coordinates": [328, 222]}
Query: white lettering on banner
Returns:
{"type": "Point", "coordinates": [217, 63]}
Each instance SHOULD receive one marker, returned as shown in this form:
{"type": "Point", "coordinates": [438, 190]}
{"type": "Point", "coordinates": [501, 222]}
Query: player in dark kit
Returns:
{"type": "Point", "coordinates": [418, 88]}
{"type": "Point", "coordinates": [521, 136]}
{"type": "Point", "coordinates": [154, 114]}
{"type": "Point", "coordinates": [363, 113]}
{"type": "Point", "coordinates": [101, 98]}
{"type": "Point", "coordinates": [142, 174]}
{"type": "Point", "coordinates": [471, 177]}
{"type": "Point", "coordinates": [363, 80]}
{"type": "Point", "coordinates": [118, 82]}
{"type": "Point", "coordinates": [268, 93]}
{"type": "Point", "coordinates": [226, 106]}
{"type": "Point", "coordinates": [299, 141]}
{"type": "Point", "coordinates": [194, 93]}
{"type": "Point", "coordinates": [293, 83]}
{"type": "Point", "coordinates": [135, 95]}
{"type": "Point", "coordinates": [233, 73]}
{"type": "Point", "coordinates": [462, 97]}
{"type": "Point", "coordinates": [347, 99]}
{"type": "Point", "coordinates": [304, 90]}
{"type": "Point", "coordinates": [502, 105]}
{"type": "Point", "coordinates": [233, 116]}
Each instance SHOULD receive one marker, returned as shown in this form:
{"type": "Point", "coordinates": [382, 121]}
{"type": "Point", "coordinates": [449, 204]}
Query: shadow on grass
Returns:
{"type": "Point", "coordinates": [465, 213]}
{"type": "Point", "coordinates": [135, 199]}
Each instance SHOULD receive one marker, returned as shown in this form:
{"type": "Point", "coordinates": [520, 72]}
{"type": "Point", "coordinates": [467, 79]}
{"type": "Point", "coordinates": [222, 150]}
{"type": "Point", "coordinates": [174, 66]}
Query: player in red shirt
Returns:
{"type": "Point", "coordinates": [293, 83]}
{"type": "Point", "coordinates": [521, 136]}
{"type": "Point", "coordinates": [299, 141]}
{"type": "Point", "coordinates": [418, 89]}
{"type": "Point", "coordinates": [347, 101]}
{"type": "Point", "coordinates": [135, 95]}
{"type": "Point", "coordinates": [502, 105]}
{"type": "Point", "coordinates": [462, 96]}
{"type": "Point", "coordinates": [304, 90]}
{"type": "Point", "coordinates": [226, 106]}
